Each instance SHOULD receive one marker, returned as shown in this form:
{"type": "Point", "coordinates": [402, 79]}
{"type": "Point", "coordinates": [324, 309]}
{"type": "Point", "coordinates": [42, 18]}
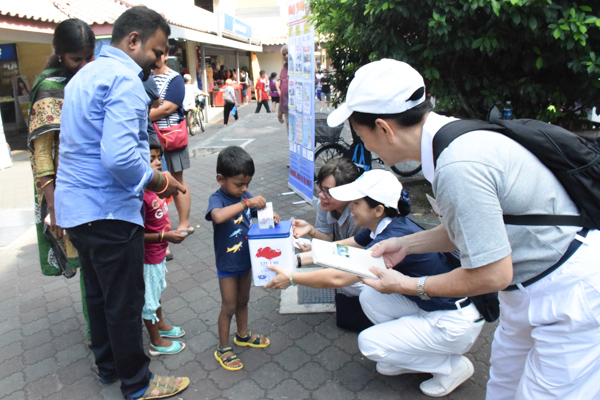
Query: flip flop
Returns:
{"type": "Point", "coordinates": [175, 348]}
{"type": "Point", "coordinates": [165, 387]}
{"type": "Point", "coordinates": [174, 333]}
{"type": "Point", "coordinates": [187, 231]}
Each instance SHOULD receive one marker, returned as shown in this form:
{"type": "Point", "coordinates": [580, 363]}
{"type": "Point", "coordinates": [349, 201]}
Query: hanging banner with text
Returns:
{"type": "Point", "coordinates": [301, 99]}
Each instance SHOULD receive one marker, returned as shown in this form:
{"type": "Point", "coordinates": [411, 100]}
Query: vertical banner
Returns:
{"type": "Point", "coordinates": [301, 95]}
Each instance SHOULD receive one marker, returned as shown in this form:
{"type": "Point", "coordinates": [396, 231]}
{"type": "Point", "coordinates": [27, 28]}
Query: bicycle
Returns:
{"type": "Point", "coordinates": [196, 117]}
{"type": "Point", "coordinates": [333, 146]}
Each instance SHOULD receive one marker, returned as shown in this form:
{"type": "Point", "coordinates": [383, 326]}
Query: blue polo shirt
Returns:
{"type": "Point", "coordinates": [414, 265]}
{"type": "Point", "coordinates": [104, 152]}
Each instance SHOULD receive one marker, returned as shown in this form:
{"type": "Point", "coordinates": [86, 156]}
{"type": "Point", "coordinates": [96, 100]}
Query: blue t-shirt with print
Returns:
{"type": "Point", "coordinates": [414, 265]}
{"type": "Point", "coordinates": [231, 237]}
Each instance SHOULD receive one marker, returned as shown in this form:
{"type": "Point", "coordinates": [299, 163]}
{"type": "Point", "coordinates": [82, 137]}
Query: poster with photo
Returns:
{"type": "Point", "coordinates": [301, 99]}
{"type": "Point", "coordinates": [292, 132]}
{"type": "Point", "coordinates": [298, 97]}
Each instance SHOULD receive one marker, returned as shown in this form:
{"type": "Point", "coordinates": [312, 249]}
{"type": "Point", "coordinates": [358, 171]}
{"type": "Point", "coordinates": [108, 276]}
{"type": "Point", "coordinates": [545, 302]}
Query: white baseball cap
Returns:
{"type": "Point", "coordinates": [382, 87]}
{"type": "Point", "coordinates": [378, 184]}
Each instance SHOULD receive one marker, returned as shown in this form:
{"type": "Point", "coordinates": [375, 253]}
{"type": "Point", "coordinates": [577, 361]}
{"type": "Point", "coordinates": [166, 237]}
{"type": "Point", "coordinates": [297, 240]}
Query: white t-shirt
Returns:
{"type": "Point", "coordinates": [482, 175]}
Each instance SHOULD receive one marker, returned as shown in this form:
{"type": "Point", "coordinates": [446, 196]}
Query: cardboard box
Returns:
{"type": "Point", "coordinates": [273, 246]}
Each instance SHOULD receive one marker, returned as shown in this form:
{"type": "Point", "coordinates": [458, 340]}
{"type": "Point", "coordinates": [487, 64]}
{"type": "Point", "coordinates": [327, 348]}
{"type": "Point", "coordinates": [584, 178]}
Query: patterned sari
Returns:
{"type": "Point", "coordinates": [57, 255]}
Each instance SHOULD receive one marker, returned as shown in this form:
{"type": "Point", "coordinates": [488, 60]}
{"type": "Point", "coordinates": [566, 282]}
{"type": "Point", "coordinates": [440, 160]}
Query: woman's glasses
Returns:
{"type": "Point", "coordinates": [323, 191]}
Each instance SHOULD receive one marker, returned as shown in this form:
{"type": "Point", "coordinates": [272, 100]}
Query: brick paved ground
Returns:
{"type": "Point", "coordinates": [42, 331]}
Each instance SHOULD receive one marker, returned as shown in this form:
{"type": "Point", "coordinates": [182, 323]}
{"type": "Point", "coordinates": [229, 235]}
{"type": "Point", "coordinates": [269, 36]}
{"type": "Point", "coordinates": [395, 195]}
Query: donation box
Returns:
{"type": "Point", "coordinates": [272, 246]}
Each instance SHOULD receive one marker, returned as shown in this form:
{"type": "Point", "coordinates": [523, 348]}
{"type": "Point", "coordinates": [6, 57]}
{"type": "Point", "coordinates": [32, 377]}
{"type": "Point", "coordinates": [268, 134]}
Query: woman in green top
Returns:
{"type": "Point", "coordinates": [74, 44]}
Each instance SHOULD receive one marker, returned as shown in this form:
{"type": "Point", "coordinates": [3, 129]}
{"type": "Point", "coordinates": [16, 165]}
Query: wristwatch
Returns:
{"type": "Point", "coordinates": [421, 288]}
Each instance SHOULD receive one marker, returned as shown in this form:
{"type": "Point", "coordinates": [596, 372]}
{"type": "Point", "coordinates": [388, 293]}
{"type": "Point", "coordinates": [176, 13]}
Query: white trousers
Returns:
{"type": "Point", "coordinates": [547, 345]}
{"type": "Point", "coordinates": [408, 337]}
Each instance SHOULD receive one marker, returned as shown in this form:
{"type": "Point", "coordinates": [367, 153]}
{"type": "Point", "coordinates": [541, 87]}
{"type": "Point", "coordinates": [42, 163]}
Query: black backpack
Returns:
{"type": "Point", "coordinates": [572, 159]}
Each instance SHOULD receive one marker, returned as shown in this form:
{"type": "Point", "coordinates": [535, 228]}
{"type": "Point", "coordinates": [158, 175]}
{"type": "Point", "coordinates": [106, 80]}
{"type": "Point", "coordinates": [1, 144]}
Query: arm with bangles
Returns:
{"type": "Point", "coordinates": [164, 185]}
{"type": "Point", "coordinates": [45, 174]}
{"type": "Point", "coordinates": [321, 279]}
{"type": "Point", "coordinates": [159, 237]}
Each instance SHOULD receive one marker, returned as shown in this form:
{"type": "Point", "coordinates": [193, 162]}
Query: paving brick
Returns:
{"type": "Point", "coordinates": [12, 383]}
{"type": "Point", "coordinates": [249, 388]}
{"type": "Point", "coordinates": [43, 387]}
{"type": "Point", "coordinates": [32, 341]}
{"type": "Point", "coordinates": [40, 369]}
{"type": "Point", "coordinates": [8, 338]}
{"type": "Point", "coordinates": [313, 343]}
{"type": "Point", "coordinates": [35, 326]}
{"type": "Point", "coordinates": [11, 367]}
{"type": "Point", "coordinates": [72, 354]}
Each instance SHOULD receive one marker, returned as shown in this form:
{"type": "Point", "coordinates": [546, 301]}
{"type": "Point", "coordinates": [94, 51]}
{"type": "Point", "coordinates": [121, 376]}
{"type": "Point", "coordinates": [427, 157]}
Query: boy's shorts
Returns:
{"type": "Point", "coordinates": [156, 283]}
{"type": "Point", "coordinates": [229, 274]}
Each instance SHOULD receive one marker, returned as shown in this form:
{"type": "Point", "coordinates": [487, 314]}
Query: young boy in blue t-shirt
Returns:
{"type": "Point", "coordinates": [231, 209]}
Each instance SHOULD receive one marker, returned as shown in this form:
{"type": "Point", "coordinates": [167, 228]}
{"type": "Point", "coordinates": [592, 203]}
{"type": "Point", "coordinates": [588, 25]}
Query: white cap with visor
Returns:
{"type": "Point", "coordinates": [381, 87]}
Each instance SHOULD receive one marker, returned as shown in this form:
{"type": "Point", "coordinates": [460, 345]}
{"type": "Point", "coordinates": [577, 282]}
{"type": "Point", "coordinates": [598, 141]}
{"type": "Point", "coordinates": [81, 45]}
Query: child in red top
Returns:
{"type": "Point", "coordinates": [157, 228]}
{"type": "Point", "coordinates": [262, 96]}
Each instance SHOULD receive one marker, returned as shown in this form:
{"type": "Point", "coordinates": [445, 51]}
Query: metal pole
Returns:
{"type": "Point", "coordinates": [237, 66]}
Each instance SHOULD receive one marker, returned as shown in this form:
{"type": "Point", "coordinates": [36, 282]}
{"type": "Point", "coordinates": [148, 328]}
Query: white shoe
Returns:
{"type": "Point", "coordinates": [442, 385]}
{"type": "Point", "coordinates": [392, 370]}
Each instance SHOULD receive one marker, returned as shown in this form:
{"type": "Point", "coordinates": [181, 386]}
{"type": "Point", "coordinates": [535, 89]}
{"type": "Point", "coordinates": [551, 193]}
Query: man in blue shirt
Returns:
{"type": "Point", "coordinates": [104, 167]}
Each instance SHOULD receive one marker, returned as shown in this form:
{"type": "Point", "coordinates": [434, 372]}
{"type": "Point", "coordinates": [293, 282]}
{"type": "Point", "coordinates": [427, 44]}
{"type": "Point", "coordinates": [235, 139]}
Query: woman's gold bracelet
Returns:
{"type": "Point", "coordinates": [47, 183]}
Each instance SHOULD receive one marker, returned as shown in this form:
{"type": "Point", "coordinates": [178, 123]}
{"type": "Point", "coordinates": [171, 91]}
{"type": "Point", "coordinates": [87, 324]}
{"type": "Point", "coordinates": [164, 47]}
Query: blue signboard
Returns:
{"type": "Point", "coordinates": [8, 52]}
{"type": "Point", "coordinates": [236, 26]}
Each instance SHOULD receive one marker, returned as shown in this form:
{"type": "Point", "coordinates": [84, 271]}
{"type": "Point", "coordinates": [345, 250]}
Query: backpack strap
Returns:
{"type": "Point", "coordinates": [457, 128]}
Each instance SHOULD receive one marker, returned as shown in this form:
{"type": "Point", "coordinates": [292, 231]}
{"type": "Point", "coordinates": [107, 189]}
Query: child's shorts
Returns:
{"type": "Point", "coordinates": [156, 283]}
{"type": "Point", "coordinates": [228, 274]}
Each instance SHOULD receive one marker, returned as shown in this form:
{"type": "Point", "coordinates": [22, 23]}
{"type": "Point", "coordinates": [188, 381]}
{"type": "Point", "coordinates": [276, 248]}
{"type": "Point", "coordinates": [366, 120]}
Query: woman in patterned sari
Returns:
{"type": "Point", "coordinates": [74, 44]}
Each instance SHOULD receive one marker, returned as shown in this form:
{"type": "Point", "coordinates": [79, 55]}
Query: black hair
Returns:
{"type": "Point", "coordinates": [407, 118]}
{"type": "Point", "coordinates": [140, 19]}
{"type": "Point", "coordinates": [262, 72]}
{"type": "Point", "coordinates": [70, 36]}
{"type": "Point", "coordinates": [273, 75]}
{"type": "Point", "coordinates": [155, 145]}
{"type": "Point", "coordinates": [344, 171]}
{"type": "Point", "coordinates": [234, 160]}
{"type": "Point", "coordinates": [403, 206]}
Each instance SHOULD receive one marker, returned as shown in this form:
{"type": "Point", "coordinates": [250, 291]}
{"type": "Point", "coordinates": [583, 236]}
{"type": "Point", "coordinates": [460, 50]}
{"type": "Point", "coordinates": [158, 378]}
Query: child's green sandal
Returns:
{"type": "Point", "coordinates": [252, 340]}
{"type": "Point", "coordinates": [227, 359]}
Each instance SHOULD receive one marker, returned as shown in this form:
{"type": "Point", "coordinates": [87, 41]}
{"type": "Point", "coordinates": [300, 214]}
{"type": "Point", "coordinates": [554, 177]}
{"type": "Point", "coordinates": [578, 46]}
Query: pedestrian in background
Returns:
{"type": "Point", "coordinates": [229, 102]}
{"type": "Point", "coordinates": [244, 83]}
{"type": "Point", "coordinates": [171, 88]}
{"type": "Point", "coordinates": [282, 115]}
{"type": "Point", "coordinates": [274, 89]}
{"type": "Point", "coordinates": [262, 95]}
{"type": "Point", "coordinates": [103, 170]}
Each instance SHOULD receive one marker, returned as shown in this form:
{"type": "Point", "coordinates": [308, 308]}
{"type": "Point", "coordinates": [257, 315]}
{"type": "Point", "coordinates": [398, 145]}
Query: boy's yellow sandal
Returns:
{"type": "Point", "coordinates": [252, 340]}
{"type": "Point", "coordinates": [226, 357]}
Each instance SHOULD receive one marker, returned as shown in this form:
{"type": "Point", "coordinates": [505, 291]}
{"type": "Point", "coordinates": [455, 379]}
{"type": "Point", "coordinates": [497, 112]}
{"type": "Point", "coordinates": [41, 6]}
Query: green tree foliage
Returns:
{"type": "Point", "coordinates": [542, 55]}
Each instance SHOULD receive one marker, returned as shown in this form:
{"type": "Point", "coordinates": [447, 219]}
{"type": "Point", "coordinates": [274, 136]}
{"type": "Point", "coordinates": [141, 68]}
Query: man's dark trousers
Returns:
{"type": "Point", "coordinates": [112, 257]}
{"type": "Point", "coordinates": [262, 103]}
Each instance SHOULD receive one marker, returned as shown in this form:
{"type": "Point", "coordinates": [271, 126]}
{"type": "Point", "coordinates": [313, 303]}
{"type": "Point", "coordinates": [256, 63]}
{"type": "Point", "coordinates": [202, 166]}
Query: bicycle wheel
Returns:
{"type": "Point", "coordinates": [325, 153]}
{"type": "Point", "coordinates": [408, 168]}
{"type": "Point", "coordinates": [200, 120]}
{"type": "Point", "coordinates": [191, 122]}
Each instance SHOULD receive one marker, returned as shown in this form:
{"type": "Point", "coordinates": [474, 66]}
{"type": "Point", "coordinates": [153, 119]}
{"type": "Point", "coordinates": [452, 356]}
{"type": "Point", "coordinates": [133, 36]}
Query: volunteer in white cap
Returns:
{"type": "Point", "coordinates": [410, 335]}
{"type": "Point", "coordinates": [546, 346]}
